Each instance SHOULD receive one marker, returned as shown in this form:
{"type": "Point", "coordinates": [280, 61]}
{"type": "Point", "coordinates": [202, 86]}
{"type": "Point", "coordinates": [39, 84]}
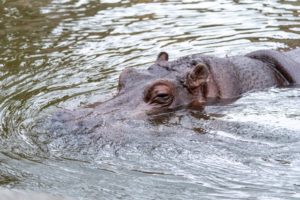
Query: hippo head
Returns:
{"type": "Point", "coordinates": [165, 86]}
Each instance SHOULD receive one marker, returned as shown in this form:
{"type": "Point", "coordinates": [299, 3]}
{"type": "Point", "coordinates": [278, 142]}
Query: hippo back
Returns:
{"type": "Point", "coordinates": [254, 74]}
{"type": "Point", "coordinates": [284, 63]}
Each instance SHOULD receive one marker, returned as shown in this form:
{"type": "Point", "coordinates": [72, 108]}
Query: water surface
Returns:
{"type": "Point", "coordinates": [57, 55]}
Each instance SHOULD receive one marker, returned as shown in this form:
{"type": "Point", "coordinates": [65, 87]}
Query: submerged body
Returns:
{"type": "Point", "coordinates": [197, 80]}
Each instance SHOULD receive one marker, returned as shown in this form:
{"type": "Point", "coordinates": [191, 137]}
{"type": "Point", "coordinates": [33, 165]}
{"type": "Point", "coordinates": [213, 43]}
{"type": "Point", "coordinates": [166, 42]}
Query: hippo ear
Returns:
{"type": "Point", "coordinates": [197, 77]}
{"type": "Point", "coordinates": [162, 56]}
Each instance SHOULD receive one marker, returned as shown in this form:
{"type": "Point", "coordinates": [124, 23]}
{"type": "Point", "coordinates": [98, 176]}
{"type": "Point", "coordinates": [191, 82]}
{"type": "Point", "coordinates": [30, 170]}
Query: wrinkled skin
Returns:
{"type": "Point", "coordinates": [197, 80]}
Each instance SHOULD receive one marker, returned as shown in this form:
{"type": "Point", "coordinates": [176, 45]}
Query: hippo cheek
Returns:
{"type": "Point", "coordinates": [197, 105]}
{"type": "Point", "coordinates": [144, 110]}
{"type": "Point", "coordinates": [212, 89]}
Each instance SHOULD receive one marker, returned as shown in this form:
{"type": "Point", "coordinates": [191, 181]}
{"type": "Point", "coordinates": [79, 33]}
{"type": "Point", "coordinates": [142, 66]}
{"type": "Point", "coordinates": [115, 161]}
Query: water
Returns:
{"type": "Point", "coordinates": [57, 55]}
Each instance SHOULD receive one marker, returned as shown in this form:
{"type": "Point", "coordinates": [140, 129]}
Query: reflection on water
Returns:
{"type": "Point", "coordinates": [57, 55]}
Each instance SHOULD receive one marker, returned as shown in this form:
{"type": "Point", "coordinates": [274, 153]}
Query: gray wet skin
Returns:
{"type": "Point", "coordinates": [197, 80]}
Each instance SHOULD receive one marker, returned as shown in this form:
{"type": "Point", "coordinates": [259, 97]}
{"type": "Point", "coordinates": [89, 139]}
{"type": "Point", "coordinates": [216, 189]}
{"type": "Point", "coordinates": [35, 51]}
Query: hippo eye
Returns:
{"type": "Point", "coordinates": [161, 98]}
{"type": "Point", "coordinates": [162, 95]}
{"type": "Point", "coordinates": [159, 94]}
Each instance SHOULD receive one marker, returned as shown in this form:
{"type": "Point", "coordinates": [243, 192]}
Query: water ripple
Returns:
{"type": "Point", "coordinates": [56, 56]}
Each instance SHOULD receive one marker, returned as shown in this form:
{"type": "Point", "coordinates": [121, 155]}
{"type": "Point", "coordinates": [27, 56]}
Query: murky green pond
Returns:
{"type": "Point", "coordinates": [58, 55]}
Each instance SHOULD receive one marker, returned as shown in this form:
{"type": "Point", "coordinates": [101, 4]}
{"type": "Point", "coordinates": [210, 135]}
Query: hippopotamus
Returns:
{"type": "Point", "coordinates": [197, 80]}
